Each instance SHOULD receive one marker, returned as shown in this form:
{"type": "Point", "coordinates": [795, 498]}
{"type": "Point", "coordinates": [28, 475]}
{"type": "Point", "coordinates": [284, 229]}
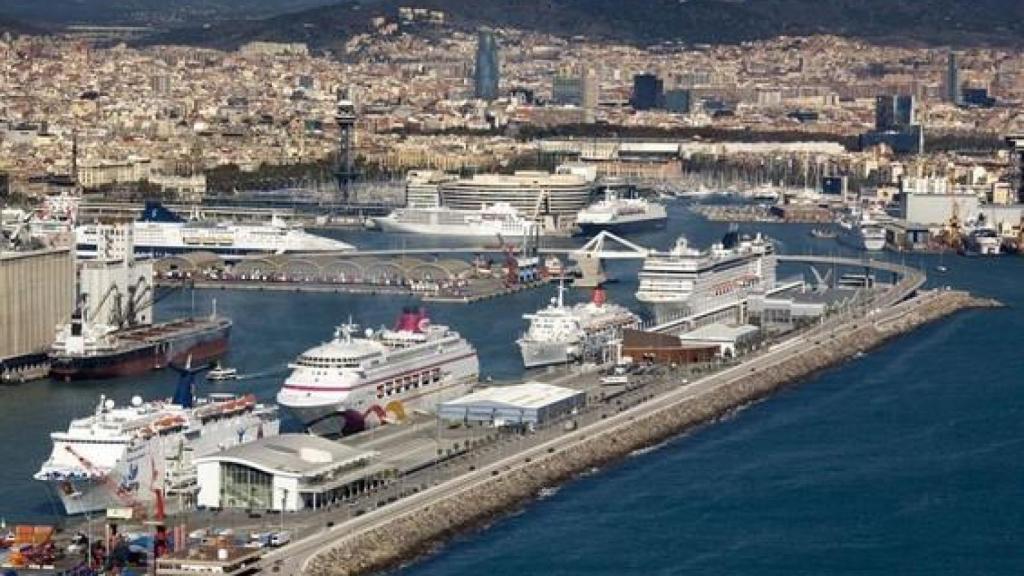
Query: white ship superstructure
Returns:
{"type": "Point", "coordinates": [861, 232]}
{"type": "Point", "coordinates": [984, 241]}
{"type": "Point", "coordinates": [620, 212]}
{"type": "Point", "coordinates": [121, 455]}
{"type": "Point", "coordinates": [494, 220]}
{"type": "Point", "coordinates": [685, 280]}
{"type": "Point", "coordinates": [160, 233]}
{"type": "Point", "coordinates": [355, 382]}
{"type": "Point", "coordinates": [559, 334]}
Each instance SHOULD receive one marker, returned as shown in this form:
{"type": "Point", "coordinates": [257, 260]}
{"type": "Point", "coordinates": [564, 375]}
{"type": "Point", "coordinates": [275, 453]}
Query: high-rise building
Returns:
{"type": "Point", "coordinates": [648, 92]}
{"type": "Point", "coordinates": [567, 88]}
{"type": "Point", "coordinates": [953, 79]}
{"type": "Point", "coordinates": [894, 112]}
{"type": "Point", "coordinates": [487, 73]}
{"type": "Point", "coordinates": [678, 101]}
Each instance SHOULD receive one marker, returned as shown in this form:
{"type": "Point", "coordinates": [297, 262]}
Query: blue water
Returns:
{"type": "Point", "coordinates": [904, 461]}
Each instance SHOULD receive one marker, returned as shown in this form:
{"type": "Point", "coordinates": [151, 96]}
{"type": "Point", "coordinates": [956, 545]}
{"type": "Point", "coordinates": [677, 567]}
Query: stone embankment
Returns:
{"type": "Point", "coordinates": [411, 534]}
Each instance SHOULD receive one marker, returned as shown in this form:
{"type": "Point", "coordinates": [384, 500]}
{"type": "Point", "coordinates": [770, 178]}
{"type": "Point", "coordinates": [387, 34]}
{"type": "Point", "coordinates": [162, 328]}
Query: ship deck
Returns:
{"type": "Point", "coordinates": [170, 329]}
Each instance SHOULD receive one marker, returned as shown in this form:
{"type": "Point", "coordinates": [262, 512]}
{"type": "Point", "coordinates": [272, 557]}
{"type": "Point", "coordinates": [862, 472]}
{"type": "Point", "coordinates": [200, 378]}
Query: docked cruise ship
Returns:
{"type": "Point", "coordinates": [490, 221]}
{"type": "Point", "coordinates": [862, 233]}
{"type": "Point", "coordinates": [120, 456]}
{"type": "Point", "coordinates": [559, 334]}
{"type": "Point", "coordinates": [161, 232]}
{"type": "Point", "coordinates": [356, 382]}
{"type": "Point", "coordinates": [686, 280]}
{"type": "Point", "coordinates": [620, 211]}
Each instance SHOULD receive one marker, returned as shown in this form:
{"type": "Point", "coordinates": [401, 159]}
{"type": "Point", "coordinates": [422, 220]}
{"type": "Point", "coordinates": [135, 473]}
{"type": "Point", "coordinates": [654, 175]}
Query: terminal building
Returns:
{"type": "Point", "coordinates": [531, 404]}
{"type": "Point", "coordinates": [290, 472]}
{"type": "Point", "coordinates": [533, 194]}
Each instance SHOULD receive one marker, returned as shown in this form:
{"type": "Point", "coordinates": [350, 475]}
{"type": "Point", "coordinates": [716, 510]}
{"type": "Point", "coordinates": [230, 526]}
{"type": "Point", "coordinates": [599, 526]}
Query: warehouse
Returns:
{"type": "Point", "coordinates": [729, 339]}
{"type": "Point", "coordinates": [291, 472]}
{"type": "Point", "coordinates": [531, 404]}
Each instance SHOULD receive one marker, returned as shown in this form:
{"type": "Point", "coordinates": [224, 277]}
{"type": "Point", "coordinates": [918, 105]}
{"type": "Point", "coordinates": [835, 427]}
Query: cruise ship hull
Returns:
{"type": "Point", "coordinates": [148, 348]}
{"type": "Point", "coordinates": [539, 354]}
{"type": "Point", "coordinates": [340, 419]}
{"type": "Point", "coordinates": [393, 226]}
{"type": "Point", "coordinates": [622, 226]}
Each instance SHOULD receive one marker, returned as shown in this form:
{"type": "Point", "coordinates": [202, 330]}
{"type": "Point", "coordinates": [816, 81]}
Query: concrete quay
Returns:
{"type": "Point", "coordinates": [404, 529]}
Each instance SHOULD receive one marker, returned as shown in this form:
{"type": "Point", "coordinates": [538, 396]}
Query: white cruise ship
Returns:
{"type": "Point", "coordinates": [494, 220]}
{"type": "Point", "coordinates": [862, 233]}
{"type": "Point", "coordinates": [161, 232]}
{"type": "Point", "coordinates": [621, 213]}
{"type": "Point", "coordinates": [353, 383]}
{"type": "Point", "coordinates": [120, 456]}
{"type": "Point", "coordinates": [559, 334]}
{"type": "Point", "coordinates": [686, 280]}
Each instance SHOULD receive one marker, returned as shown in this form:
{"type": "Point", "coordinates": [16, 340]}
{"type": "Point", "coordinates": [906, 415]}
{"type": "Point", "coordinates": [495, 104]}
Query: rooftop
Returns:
{"type": "Point", "coordinates": [294, 454]}
{"type": "Point", "coordinates": [720, 332]}
{"type": "Point", "coordinates": [530, 395]}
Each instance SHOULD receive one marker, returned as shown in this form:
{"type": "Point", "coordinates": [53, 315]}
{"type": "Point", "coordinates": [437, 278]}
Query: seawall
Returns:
{"type": "Point", "coordinates": [408, 535]}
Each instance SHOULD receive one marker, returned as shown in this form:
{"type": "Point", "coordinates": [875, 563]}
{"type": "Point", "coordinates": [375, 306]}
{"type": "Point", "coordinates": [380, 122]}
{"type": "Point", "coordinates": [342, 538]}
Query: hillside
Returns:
{"type": "Point", "coordinates": [935, 22]}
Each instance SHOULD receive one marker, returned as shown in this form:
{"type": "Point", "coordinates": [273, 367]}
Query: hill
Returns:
{"type": "Point", "coordinates": [931, 22]}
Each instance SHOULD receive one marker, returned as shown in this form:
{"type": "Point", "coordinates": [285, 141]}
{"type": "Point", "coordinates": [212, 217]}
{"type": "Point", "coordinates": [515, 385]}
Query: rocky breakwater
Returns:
{"type": "Point", "coordinates": [410, 534]}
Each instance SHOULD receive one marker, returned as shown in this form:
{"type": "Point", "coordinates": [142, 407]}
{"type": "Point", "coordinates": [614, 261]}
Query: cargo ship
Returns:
{"type": "Point", "coordinates": [90, 351]}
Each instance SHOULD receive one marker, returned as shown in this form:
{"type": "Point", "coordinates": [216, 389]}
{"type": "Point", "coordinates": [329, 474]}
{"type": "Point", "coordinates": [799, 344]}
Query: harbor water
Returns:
{"type": "Point", "coordinates": [906, 460]}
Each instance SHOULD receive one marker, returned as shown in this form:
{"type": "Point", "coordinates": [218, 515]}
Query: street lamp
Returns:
{"type": "Point", "coordinates": [284, 502]}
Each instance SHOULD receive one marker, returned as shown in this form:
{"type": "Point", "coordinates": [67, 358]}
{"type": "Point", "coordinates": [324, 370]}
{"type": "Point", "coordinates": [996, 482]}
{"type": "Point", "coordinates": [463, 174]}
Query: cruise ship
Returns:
{"type": "Point", "coordinates": [160, 232]}
{"type": "Point", "coordinates": [559, 334]}
{"type": "Point", "coordinates": [122, 456]}
{"type": "Point", "coordinates": [686, 280]}
{"type": "Point", "coordinates": [862, 233]}
{"type": "Point", "coordinates": [495, 220]}
{"type": "Point", "coordinates": [621, 212]}
{"type": "Point", "coordinates": [357, 382]}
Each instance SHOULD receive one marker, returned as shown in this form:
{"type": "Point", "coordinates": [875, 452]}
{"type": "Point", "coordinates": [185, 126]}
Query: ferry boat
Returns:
{"type": "Point", "coordinates": [160, 232]}
{"type": "Point", "coordinates": [357, 382]}
{"type": "Point", "coordinates": [122, 456]}
{"type": "Point", "coordinates": [84, 350]}
{"type": "Point", "coordinates": [620, 211]}
{"type": "Point", "coordinates": [500, 219]}
{"type": "Point", "coordinates": [219, 373]}
{"type": "Point", "coordinates": [862, 233]}
{"type": "Point", "coordinates": [559, 334]}
{"type": "Point", "coordinates": [686, 280]}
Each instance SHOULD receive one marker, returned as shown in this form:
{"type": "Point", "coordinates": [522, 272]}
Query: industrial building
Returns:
{"type": "Point", "coordinates": [530, 404]}
{"type": "Point", "coordinates": [728, 339]}
{"type": "Point", "coordinates": [37, 293]}
{"type": "Point", "coordinates": [290, 472]}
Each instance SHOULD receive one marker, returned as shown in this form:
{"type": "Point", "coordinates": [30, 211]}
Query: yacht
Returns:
{"type": "Point", "coordinates": [161, 232]}
{"type": "Point", "coordinates": [359, 381]}
{"type": "Point", "coordinates": [983, 241]}
{"type": "Point", "coordinates": [862, 233]}
{"type": "Point", "coordinates": [620, 211]}
{"type": "Point", "coordinates": [500, 219]}
{"type": "Point", "coordinates": [122, 456]}
{"type": "Point", "coordinates": [559, 334]}
{"type": "Point", "coordinates": [686, 280]}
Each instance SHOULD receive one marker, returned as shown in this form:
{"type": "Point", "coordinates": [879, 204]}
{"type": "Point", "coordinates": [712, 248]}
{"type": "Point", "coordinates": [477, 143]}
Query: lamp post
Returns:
{"type": "Point", "coordinates": [284, 502]}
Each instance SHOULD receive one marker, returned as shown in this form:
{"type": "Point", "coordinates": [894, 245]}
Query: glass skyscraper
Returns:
{"type": "Point", "coordinates": [487, 73]}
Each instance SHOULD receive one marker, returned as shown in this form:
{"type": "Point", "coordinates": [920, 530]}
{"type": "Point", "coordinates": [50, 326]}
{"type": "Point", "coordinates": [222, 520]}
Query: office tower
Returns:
{"type": "Point", "coordinates": [648, 92]}
{"type": "Point", "coordinates": [894, 112]}
{"type": "Point", "coordinates": [953, 79]}
{"type": "Point", "coordinates": [486, 76]}
{"type": "Point", "coordinates": [567, 88]}
{"type": "Point", "coordinates": [678, 101]}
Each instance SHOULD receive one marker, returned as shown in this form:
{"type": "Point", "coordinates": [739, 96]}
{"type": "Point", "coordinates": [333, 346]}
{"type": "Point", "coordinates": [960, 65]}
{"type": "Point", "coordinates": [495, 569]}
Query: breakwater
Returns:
{"type": "Point", "coordinates": [412, 533]}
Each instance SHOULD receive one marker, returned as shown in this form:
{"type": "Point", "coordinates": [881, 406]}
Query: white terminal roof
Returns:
{"type": "Point", "coordinates": [529, 395]}
{"type": "Point", "coordinates": [719, 333]}
{"type": "Point", "coordinates": [292, 454]}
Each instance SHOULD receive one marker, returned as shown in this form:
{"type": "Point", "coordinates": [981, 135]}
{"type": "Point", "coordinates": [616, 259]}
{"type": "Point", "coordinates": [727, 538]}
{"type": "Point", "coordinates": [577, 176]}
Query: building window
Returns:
{"type": "Point", "coordinates": [245, 487]}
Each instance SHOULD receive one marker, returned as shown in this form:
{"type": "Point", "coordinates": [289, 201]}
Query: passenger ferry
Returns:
{"type": "Point", "coordinates": [120, 456]}
{"type": "Point", "coordinates": [559, 334]}
{"type": "Point", "coordinates": [160, 232]}
{"type": "Point", "coordinates": [861, 232]}
{"type": "Point", "coordinates": [621, 211]}
{"type": "Point", "coordinates": [357, 382]}
{"type": "Point", "coordinates": [686, 280]}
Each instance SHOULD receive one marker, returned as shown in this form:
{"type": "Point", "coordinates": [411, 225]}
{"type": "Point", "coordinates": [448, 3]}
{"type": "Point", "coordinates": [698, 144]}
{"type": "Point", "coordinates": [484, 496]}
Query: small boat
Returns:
{"type": "Point", "coordinates": [941, 268]}
{"type": "Point", "coordinates": [823, 233]}
{"type": "Point", "coordinates": [221, 373]}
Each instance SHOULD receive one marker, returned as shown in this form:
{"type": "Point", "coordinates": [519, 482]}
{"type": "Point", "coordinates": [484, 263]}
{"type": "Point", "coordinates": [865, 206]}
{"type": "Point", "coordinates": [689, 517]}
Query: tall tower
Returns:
{"type": "Point", "coordinates": [953, 79]}
{"type": "Point", "coordinates": [345, 116]}
{"type": "Point", "coordinates": [487, 73]}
